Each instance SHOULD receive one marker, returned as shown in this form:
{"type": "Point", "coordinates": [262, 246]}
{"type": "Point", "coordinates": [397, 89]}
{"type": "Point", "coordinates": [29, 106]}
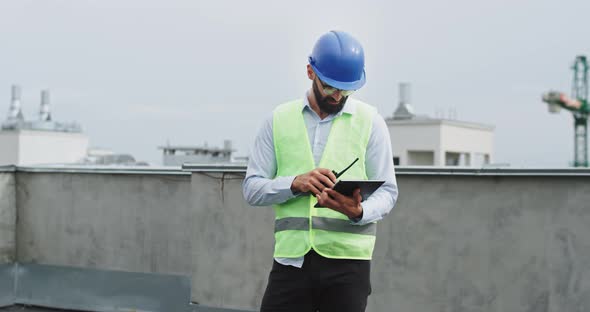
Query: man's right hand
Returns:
{"type": "Point", "coordinates": [314, 181]}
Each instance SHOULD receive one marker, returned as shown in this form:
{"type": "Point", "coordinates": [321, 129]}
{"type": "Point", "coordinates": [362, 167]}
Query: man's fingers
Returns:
{"type": "Point", "coordinates": [320, 198]}
{"type": "Point", "coordinates": [356, 194]}
{"type": "Point", "coordinates": [329, 174]}
{"type": "Point", "coordinates": [327, 201]}
{"type": "Point", "coordinates": [314, 190]}
{"type": "Point", "coordinates": [332, 176]}
{"type": "Point", "coordinates": [318, 185]}
{"type": "Point", "coordinates": [326, 181]}
{"type": "Point", "coordinates": [337, 196]}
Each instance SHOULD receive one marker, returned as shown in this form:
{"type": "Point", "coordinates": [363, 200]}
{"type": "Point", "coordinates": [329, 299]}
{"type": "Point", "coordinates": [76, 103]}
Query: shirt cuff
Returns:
{"type": "Point", "coordinates": [357, 219]}
{"type": "Point", "coordinates": [366, 217]}
{"type": "Point", "coordinates": [283, 186]}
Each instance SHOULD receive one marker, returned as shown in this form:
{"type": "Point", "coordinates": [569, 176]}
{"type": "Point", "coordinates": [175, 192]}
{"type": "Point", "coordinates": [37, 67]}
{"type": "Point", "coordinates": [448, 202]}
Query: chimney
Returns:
{"type": "Point", "coordinates": [44, 112]}
{"type": "Point", "coordinates": [227, 145]}
{"type": "Point", "coordinates": [404, 110]}
{"type": "Point", "coordinates": [15, 112]}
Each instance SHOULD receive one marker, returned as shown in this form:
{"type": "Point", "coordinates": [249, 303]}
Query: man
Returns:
{"type": "Point", "coordinates": [322, 255]}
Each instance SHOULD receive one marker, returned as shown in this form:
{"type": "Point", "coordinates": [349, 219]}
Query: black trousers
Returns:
{"type": "Point", "coordinates": [322, 284]}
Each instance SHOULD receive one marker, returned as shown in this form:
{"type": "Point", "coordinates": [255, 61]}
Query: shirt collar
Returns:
{"type": "Point", "coordinates": [349, 107]}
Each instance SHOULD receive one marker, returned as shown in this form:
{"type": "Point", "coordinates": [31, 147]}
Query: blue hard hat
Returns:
{"type": "Point", "coordinates": [338, 60]}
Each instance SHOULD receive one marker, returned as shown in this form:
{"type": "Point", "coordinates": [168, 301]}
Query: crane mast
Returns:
{"type": "Point", "coordinates": [578, 105]}
{"type": "Point", "coordinates": [580, 92]}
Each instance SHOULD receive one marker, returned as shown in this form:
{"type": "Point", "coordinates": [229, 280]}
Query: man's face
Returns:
{"type": "Point", "coordinates": [330, 104]}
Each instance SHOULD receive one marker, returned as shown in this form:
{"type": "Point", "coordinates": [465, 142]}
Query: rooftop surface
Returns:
{"type": "Point", "coordinates": [29, 309]}
{"type": "Point", "coordinates": [20, 308]}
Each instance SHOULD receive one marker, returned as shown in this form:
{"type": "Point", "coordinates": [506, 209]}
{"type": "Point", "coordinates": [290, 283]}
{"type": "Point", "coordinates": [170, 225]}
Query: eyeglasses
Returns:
{"type": "Point", "coordinates": [329, 90]}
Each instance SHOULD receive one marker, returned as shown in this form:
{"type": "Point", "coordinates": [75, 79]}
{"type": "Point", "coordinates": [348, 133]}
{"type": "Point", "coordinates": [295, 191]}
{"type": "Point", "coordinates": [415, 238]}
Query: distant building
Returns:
{"type": "Point", "coordinates": [176, 155]}
{"type": "Point", "coordinates": [42, 141]}
{"type": "Point", "coordinates": [424, 141]}
{"type": "Point", "coordinates": [104, 157]}
{"type": "Point", "coordinates": [240, 160]}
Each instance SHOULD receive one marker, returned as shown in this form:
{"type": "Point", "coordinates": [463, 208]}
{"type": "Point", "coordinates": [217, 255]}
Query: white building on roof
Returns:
{"type": "Point", "coordinates": [41, 141]}
{"type": "Point", "coordinates": [424, 141]}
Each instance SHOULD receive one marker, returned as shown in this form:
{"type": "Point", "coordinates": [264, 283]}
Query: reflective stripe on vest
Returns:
{"type": "Point", "coordinates": [299, 226]}
{"type": "Point", "coordinates": [326, 224]}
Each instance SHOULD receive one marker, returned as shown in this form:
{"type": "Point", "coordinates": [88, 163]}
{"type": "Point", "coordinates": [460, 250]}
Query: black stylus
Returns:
{"type": "Point", "coordinates": [343, 171]}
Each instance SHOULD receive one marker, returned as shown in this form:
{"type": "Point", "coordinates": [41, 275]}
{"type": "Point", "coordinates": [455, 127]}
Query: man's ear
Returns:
{"type": "Point", "coordinates": [310, 72]}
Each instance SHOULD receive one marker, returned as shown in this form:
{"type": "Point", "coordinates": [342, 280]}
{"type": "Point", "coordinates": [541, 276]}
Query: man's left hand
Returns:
{"type": "Point", "coordinates": [349, 206]}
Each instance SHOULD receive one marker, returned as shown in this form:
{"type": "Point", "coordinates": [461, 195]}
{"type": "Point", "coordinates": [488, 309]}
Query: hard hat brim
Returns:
{"type": "Point", "coordinates": [342, 85]}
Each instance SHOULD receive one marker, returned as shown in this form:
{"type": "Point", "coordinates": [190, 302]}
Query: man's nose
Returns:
{"type": "Point", "coordinates": [337, 96]}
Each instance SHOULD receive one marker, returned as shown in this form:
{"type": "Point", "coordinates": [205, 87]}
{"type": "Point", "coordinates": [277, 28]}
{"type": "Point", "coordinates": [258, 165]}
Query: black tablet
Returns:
{"type": "Point", "coordinates": [348, 186]}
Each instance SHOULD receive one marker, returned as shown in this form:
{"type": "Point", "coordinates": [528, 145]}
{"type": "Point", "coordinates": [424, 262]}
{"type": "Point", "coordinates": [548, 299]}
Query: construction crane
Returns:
{"type": "Point", "coordinates": [578, 105]}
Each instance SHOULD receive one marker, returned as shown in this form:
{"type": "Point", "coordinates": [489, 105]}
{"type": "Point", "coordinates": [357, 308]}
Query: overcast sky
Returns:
{"type": "Point", "coordinates": [135, 74]}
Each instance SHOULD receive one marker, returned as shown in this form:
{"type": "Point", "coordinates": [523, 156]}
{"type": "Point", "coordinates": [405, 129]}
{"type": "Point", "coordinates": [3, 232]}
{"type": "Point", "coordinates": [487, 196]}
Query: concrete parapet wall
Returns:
{"type": "Point", "coordinates": [468, 243]}
{"type": "Point", "coordinates": [232, 243]}
{"type": "Point", "coordinates": [7, 217]}
{"type": "Point", "coordinates": [129, 222]}
{"type": "Point", "coordinates": [453, 243]}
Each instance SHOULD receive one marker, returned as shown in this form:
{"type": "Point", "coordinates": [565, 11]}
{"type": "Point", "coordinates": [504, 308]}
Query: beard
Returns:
{"type": "Point", "coordinates": [324, 104]}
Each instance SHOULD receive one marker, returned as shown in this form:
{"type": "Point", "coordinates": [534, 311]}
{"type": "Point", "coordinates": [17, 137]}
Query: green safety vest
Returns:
{"type": "Point", "coordinates": [298, 225]}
